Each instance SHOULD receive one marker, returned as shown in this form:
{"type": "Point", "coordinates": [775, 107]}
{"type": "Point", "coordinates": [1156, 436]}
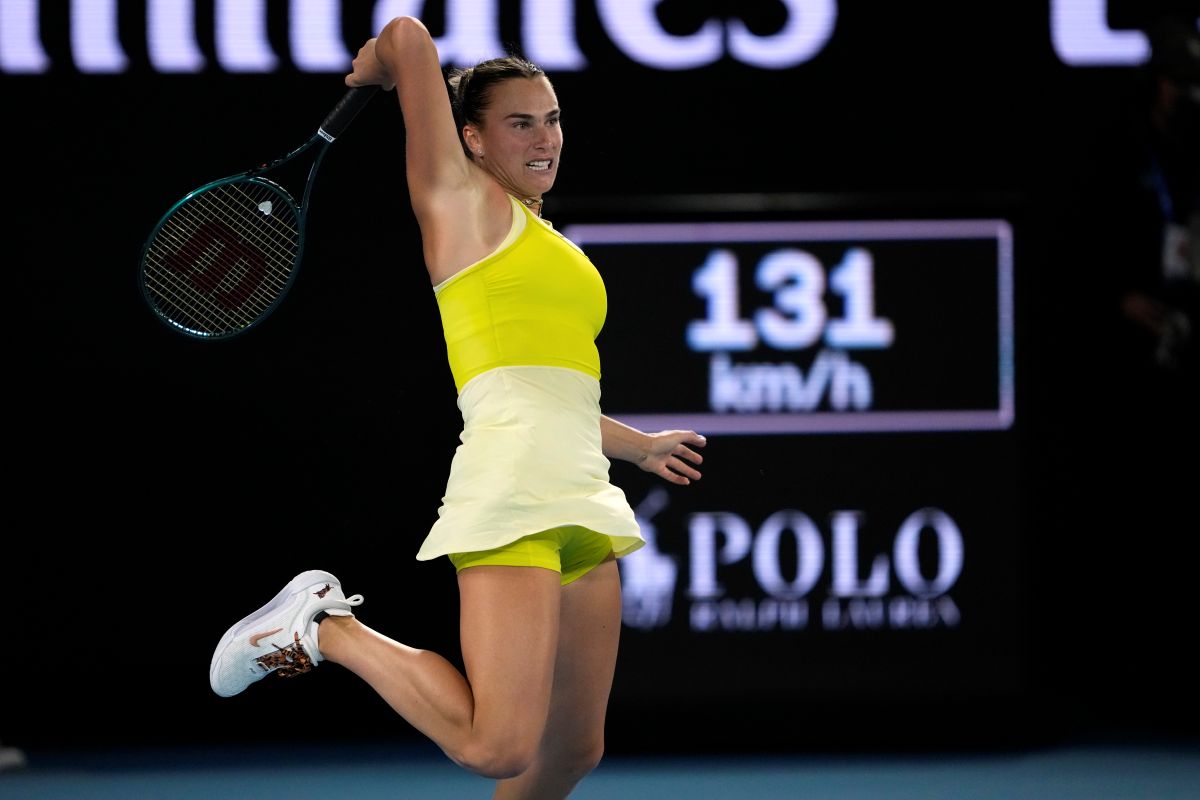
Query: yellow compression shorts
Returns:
{"type": "Point", "coordinates": [570, 550]}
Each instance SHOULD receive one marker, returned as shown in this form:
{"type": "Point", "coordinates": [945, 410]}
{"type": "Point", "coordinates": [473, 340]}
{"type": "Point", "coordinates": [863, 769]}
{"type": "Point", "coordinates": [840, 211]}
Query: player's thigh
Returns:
{"type": "Point", "coordinates": [589, 634]}
{"type": "Point", "coordinates": [509, 628]}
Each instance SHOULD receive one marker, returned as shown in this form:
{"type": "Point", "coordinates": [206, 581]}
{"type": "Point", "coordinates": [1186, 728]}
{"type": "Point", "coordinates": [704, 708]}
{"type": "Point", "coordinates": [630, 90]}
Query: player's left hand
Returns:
{"type": "Point", "coordinates": [671, 456]}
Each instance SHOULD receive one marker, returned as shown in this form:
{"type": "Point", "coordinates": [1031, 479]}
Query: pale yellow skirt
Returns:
{"type": "Point", "coordinates": [530, 459]}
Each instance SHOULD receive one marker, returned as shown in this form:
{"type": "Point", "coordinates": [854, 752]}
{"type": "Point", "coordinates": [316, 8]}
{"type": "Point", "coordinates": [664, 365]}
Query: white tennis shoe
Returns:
{"type": "Point", "coordinates": [280, 637]}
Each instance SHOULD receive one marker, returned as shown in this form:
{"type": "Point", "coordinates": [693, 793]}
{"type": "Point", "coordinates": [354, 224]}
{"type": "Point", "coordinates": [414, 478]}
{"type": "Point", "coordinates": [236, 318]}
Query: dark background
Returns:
{"type": "Point", "coordinates": [160, 488]}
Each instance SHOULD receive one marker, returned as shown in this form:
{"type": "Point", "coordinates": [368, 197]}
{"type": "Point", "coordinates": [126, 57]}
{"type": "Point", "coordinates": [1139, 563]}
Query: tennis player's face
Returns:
{"type": "Point", "coordinates": [522, 137]}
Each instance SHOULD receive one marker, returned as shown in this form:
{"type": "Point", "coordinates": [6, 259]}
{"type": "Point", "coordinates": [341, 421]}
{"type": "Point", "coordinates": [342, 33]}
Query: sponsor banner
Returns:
{"type": "Point", "coordinates": [183, 37]}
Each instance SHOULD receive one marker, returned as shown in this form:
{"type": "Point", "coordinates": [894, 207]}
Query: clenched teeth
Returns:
{"type": "Point", "coordinates": [542, 164]}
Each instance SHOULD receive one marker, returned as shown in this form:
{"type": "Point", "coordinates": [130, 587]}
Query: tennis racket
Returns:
{"type": "Point", "coordinates": [222, 258]}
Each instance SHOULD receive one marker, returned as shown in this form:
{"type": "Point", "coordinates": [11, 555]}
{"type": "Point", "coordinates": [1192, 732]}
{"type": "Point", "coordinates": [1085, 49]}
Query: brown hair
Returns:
{"type": "Point", "coordinates": [471, 88]}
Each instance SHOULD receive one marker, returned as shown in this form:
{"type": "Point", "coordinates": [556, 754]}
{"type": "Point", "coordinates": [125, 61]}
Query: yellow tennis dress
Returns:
{"type": "Point", "coordinates": [520, 328]}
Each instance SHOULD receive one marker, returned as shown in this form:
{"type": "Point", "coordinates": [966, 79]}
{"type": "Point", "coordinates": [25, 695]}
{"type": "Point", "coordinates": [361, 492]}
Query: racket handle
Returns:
{"type": "Point", "coordinates": [346, 110]}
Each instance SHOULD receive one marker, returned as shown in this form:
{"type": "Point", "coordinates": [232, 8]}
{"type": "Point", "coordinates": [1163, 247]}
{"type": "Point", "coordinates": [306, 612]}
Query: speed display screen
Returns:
{"type": "Point", "coordinates": [807, 327]}
{"type": "Point", "coordinates": [859, 511]}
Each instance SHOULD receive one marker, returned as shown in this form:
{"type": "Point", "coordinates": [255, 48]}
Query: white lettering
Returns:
{"type": "Point", "coordinates": [548, 28]}
{"type": "Point", "coordinates": [845, 561]}
{"type": "Point", "coordinates": [472, 28]}
{"type": "Point", "coordinates": [722, 327]}
{"type": "Point", "coordinates": [851, 385]}
{"type": "Point", "coordinates": [703, 616]}
{"type": "Point", "coordinates": [315, 36]}
{"type": "Point", "coordinates": [854, 280]}
{"type": "Point", "coordinates": [897, 613]}
{"type": "Point", "coordinates": [747, 614]}
{"type": "Point", "coordinates": [723, 539]}
{"type": "Point", "coordinates": [798, 316]}
{"type": "Point", "coordinates": [809, 27]}
{"type": "Point", "coordinates": [810, 554]}
{"type": "Point", "coordinates": [858, 613]}
{"type": "Point", "coordinates": [788, 615]}
{"type": "Point", "coordinates": [94, 40]}
{"type": "Point", "coordinates": [634, 27]}
{"type": "Point", "coordinates": [1081, 36]}
{"type": "Point", "coordinates": [950, 552]}
{"type": "Point", "coordinates": [241, 36]}
{"type": "Point", "coordinates": [21, 48]}
{"type": "Point", "coordinates": [1079, 33]}
{"type": "Point", "coordinates": [702, 537]}
{"type": "Point", "coordinates": [750, 388]}
{"type": "Point", "coordinates": [171, 36]}
{"type": "Point", "coordinates": [913, 612]}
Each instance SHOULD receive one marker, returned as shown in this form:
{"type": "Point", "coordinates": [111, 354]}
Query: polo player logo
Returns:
{"type": "Point", "coordinates": [648, 575]}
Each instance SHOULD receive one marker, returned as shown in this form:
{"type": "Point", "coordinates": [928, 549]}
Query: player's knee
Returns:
{"type": "Point", "coordinates": [498, 757]}
{"type": "Point", "coordinates": [576, 761]}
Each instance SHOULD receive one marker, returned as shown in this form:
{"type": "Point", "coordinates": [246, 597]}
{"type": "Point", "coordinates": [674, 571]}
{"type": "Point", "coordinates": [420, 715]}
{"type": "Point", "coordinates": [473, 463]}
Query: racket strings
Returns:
{"type": "Point", "coordinates": [219, 275]}
{"type": "Point", "coordinates": [227, 281]}
{"type": "Point", "coordinates": [224, 256]}
{"type": "Point", "coordinates": [202, 239]}
{"type": "Point", "coordinates": [207, 278]}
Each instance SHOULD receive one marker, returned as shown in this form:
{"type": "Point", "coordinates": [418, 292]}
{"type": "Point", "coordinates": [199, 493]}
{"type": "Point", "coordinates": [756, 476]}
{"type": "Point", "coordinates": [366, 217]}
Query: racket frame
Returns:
{"type": "Point", "coordinates": [334, 124]}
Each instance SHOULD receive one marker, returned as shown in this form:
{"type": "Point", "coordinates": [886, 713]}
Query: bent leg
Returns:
{"type": "Point", "coordinates": [491, 720]}
{"type": "Point", "coordinates": [573, 742]}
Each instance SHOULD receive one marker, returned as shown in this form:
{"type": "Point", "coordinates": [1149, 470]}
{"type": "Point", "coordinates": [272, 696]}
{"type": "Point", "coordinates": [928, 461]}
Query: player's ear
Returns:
{"type": "Point", "coordinates": [472, 139]}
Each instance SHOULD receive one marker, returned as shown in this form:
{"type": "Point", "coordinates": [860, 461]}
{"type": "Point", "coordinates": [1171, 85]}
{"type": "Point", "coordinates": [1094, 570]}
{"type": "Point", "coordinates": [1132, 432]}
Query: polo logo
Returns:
{"type": "Point", "coordinates": [648, 575]}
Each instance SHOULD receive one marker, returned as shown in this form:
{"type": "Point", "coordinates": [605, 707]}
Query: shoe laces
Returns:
{"type": "Point", "coordinates": [287, 661]}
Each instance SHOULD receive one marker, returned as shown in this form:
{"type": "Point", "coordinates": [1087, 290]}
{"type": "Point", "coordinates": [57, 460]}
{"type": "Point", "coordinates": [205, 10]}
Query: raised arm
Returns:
{"type": "Point", "coordinates": [666, 453]}
{"type": "Point", "coordinates": [444, 188]}
{"type": "Point", "coordinates": [403, 55]}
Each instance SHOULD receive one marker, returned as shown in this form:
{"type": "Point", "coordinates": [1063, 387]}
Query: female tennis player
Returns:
{"type": "Point", "coordinates": [529, 518]}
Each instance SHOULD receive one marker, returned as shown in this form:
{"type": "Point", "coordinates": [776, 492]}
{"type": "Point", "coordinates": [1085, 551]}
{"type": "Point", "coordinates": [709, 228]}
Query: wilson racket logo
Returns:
{"type": "Point", "coordinates": [223, 257]}
{"type": "Point", "coordinates": [219, 250]}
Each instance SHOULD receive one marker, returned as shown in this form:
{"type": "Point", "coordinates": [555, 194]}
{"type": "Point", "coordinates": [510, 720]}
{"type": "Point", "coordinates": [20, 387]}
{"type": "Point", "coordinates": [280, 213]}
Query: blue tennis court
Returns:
{"type": "Point", "coordinates": [1159, 771]}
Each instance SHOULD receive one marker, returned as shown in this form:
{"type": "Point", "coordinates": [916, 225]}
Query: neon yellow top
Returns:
{"type": "Point", "coordinates": [537, 300]}
{"type": "Point", "coordinates": [520, 329]}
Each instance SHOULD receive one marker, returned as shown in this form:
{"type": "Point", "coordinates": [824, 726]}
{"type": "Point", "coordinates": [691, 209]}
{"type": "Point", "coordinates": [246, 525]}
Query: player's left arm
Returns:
{"type": "Point", "coordinates": [668, 454]}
